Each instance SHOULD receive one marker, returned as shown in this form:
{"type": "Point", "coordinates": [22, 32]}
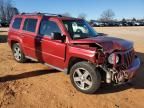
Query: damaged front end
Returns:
{"type": "Point", "coordinates": [122, 67]}
{"type": "Point", "coordinates": [118, 65]}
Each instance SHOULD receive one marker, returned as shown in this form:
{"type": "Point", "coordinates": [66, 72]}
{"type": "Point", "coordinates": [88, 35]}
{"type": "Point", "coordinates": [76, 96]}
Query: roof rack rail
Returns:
{"type": "Point", "coordinates": [39, 13]}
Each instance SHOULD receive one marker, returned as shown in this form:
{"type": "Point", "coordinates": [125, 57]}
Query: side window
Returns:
{"type": "Point", "coordinates": [17, 23]}
{"type": "Point", "coordinates": [30, 25]}
{"type": "Point", "coordinates": [47, 27]}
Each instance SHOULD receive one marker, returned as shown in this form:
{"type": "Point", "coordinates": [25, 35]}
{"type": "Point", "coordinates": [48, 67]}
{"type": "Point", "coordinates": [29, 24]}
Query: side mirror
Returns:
{"type": "Point", "coordinates": [57, 36]}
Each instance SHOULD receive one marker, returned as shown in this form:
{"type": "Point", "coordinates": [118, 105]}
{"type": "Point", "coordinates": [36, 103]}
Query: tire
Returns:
{"type": "Point", "coordinates": [85, 77]}
{"type": "Point", "coordinates": [18, 53]}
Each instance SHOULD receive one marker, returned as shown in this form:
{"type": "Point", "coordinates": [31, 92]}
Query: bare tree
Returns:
{"type": "Point", "coordinates": [7, 10]}
{"type": "Point", "coordinates": [107, 15]}
{"type": "Point", "coordinates": [124, 20]}
{"type": "Point", "coordinates": [134, 19]}
{"type": "Point", "coordinates": [2, 13]}
{"type": "Point", "coordinates": [82, 15]}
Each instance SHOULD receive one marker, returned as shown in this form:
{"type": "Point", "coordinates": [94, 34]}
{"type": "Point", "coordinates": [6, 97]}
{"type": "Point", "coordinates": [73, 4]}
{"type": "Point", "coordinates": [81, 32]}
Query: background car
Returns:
{"type": "Point", "coordinates": [5, 23]}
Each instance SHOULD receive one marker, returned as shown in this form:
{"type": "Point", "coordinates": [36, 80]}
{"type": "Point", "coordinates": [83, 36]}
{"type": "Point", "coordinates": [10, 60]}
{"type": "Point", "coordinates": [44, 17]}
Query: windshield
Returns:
{"type": "Point", "coordinates": [79, 29]}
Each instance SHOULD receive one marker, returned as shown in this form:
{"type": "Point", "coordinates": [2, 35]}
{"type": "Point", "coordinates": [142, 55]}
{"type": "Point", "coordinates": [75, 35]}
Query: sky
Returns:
{"type": "Point", "coordinates": [92, 8]}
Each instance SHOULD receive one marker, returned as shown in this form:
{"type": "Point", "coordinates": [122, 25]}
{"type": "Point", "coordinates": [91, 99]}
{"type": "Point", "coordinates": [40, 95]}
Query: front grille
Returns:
{"type": "Point", "coordinates": [126, 59]}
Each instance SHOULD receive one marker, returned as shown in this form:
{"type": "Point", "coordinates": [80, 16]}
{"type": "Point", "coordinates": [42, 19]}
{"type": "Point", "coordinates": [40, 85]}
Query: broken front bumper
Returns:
{"type": "Point", "coordinates": [132, 70]}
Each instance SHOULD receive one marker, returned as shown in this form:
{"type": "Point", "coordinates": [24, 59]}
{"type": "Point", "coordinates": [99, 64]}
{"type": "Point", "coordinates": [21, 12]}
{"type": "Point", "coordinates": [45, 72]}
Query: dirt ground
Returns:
{"type": "Point", "coordinates": [33, 85]}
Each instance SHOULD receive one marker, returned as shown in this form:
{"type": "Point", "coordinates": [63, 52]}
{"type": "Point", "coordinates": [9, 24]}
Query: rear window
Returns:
{"type": "Point", "coordinates": [17, 23]}
{"type": "Point", "coordinates": [30, 25]}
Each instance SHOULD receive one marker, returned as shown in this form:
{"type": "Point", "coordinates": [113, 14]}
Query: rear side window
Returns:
{"type": "Point", "coordinates": [17, 23]}
{"type": "Point", "coordinates": [47, 27]}
{"type": "Point", "coordinates": [30, 25]}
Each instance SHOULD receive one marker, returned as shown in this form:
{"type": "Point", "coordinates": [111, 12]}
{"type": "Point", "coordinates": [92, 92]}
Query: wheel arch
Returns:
{"type": "Point", "coordinates": [13, 42]}
{"type": "Point", "coordinates": [72, 61]}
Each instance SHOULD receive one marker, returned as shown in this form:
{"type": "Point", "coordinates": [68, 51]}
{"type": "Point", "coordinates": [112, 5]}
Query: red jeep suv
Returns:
{"type": "Point", "coordinates": [71, 45]}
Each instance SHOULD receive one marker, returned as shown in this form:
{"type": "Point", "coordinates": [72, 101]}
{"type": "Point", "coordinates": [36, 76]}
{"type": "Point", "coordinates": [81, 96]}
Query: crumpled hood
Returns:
{"type": "Point", "coordinates": [108, 43]}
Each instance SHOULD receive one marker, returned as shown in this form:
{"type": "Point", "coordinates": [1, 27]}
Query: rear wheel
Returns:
{"type": "Point", "coordinates": [17, 53]}
{"type": "Point", "coordinates": [85, 77]}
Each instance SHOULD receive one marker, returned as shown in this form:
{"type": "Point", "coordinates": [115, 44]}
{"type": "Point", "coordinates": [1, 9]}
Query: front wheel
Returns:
{"type": "Point", "coordinates": [85, 77]}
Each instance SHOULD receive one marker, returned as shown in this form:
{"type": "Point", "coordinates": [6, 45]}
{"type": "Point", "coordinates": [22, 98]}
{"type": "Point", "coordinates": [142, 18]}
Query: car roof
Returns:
{"type": "Point", "coordinates": [47, 15]}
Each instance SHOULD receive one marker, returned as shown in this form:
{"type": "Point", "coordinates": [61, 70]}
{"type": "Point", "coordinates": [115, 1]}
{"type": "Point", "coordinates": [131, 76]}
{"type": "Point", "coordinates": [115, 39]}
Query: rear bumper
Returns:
{"type": "Point", "coordinates": [132, 70]}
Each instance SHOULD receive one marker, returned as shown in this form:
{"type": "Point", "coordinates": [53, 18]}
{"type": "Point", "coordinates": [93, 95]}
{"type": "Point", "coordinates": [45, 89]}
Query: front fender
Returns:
{"type": "Point", "coordinates": [81, 53]}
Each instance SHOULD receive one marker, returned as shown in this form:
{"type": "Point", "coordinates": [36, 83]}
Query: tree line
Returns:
{"type": "Point", "coordinates": [7, 10]}
{"type": "Point", "coordinates": [106, 16]}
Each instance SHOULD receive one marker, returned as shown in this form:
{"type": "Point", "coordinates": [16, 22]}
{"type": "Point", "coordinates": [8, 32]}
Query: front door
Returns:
{"type": "Point", "coordinates": [50, 51]}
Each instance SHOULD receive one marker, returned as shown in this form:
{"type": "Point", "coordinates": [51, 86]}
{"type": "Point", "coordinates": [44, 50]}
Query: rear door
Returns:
{"type": "Point", "coordinates": [28, 35]}
{"type": "Point", "coordinates": [48, 50]}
